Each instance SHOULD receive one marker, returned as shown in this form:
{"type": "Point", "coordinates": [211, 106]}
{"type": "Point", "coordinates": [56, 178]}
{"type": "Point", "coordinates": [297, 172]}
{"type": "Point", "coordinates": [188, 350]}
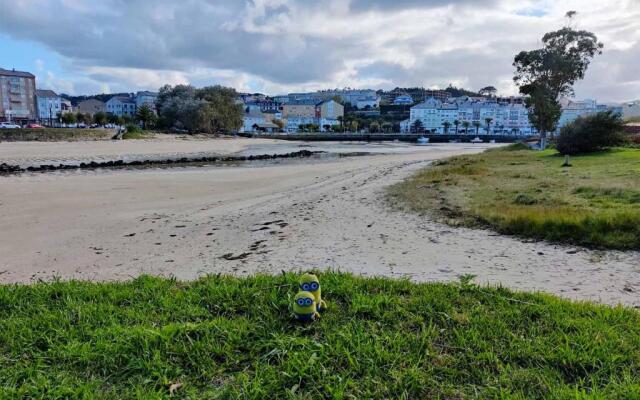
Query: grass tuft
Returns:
{"type": "Point", "coordinates": [226, 337]}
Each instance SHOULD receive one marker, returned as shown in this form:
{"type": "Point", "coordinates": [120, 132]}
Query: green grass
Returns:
{"type": "Point", "coordinates": [594, 203]}
{"type": "Point", "coordinates": [55, 134]}
{"type": "Point", "coordinates": [228, 338]}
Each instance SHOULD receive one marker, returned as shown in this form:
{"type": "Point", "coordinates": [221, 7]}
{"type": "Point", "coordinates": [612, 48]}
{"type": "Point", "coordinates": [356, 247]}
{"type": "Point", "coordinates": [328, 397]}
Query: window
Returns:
{"type": "Point", "coordinates": [14, 85]}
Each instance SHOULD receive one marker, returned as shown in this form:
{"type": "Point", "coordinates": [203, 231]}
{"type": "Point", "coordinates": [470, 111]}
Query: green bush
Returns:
{"type": "Point", "coordinates": [591, 133]}
{"type": "Point", "coordinates": [133, 128]}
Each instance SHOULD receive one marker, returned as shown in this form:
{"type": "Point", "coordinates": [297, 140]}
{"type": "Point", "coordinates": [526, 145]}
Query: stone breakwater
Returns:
{"type": "Point", "coordinates": [6, 169]}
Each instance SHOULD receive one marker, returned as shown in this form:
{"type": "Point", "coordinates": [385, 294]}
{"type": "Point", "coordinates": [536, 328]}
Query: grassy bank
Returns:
{"type": "Point", "coordinates": [223, 337]}
{"type": "Point", "coordinates": [54, 134]}
{"type": "Point", "coordinates": [595, 202]}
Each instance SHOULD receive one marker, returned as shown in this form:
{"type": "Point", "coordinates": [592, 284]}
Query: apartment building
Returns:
{"type": "Point", "coordinates": [631, 109]}
{"type": "Point", "coordinates": [438, 117]}
{"type": "Point", "coordinates": [91, 106]}
{"type": "Point", "coordinates": [309, 111]}
{"type": "Point", "coordinates": [358, 98]}
{"type": "Point", "coordinates": [121, 106]}
{"type": "Point", "coordinates": [17, 96]}
{"type": "Point", "coordinates": [146, 98]}
{"type": "Point", "coordinates": [571, 110]}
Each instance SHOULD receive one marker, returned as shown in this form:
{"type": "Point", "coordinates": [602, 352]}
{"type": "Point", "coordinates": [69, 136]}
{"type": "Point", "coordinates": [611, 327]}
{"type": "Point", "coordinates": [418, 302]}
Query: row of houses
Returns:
{"type": "Point", "coordinates": [292, 115]}
{"type": "Point", "coordinates": [21, 102]}
{"type": "Point", "coordinates": [488, 115]}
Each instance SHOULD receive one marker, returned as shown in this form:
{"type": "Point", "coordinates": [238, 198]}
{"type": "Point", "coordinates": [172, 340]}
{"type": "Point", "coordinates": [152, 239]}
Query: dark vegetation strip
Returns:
{"type": "Point", "coordinates": [54, 134]}
{"type": "Point", "coordinates": [13, 169]}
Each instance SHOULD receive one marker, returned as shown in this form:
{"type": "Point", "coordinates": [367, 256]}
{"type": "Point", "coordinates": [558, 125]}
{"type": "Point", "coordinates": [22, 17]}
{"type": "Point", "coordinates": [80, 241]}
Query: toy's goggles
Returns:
{"type": "Point", "coordinates": [310, 287]}
{"type": "Point", "coordinates": [304, 302]}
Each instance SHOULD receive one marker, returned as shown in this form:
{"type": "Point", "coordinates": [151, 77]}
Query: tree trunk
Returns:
{"type": "Point", "coordinates": [543, 140]}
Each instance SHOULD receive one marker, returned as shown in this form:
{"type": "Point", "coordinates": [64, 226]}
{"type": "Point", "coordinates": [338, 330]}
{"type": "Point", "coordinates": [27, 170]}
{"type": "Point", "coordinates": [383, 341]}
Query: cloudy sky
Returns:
{"type": "Point", "coordinates": [278, 46]}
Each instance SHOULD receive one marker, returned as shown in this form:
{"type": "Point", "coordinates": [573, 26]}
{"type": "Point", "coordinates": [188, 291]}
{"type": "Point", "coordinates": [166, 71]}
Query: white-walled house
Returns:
{"type": "Point", "coordinates": [251, 118]}
{"type": "Point", "coordinates": [293, 123]}
{"type": "Point", "coordinates": [49, 104]}
{"type": "Point", "coordinates": [405, 126]}
{"type": "Point", "coordinates": [121, 106]}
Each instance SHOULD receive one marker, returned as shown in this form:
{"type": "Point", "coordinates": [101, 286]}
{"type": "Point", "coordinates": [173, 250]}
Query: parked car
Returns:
{"type": "Point", "coordinates": [9, 125]}
{"type": "Point", "coordinates": [34, 126]}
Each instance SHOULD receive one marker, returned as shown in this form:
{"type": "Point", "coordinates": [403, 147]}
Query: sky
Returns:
{"type": "Point", "coordinates": [280, 46]}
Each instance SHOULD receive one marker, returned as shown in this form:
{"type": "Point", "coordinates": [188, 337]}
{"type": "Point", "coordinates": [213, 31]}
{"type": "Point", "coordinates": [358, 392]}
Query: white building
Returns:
{"type": "Point", "coordinates": [631, 110]}
{"type": "Point", "coordinates": [438, 117]}
{"type": "Point", "coordinates": [359, 98]}
{"type": "Point", "coordinates": [49, 104]}
{"type": "Point", "coordinates": [571, 110]}
{"type": "Point", "coordinates": [121, 106]}
{"type": "Point", "coordinates": [146, 98]}
{"type": "Point", "coordinates": [405, 126]}
{"type": "Point", "coordinates": [293, 123]}
{"type": "Point", "coordinates": [251, 118]}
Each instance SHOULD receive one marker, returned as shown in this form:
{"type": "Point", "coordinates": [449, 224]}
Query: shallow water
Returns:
{"type": "Point", "coordinates": [325, 152]}
{"type": "Point", "coordinates": [333, 147]}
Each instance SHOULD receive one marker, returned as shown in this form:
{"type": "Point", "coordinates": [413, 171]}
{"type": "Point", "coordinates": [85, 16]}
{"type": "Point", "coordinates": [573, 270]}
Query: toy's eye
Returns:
{"type": "Point", "coordinates": [300, 302]}
{"type": "Point", "coordinates": [308, 302]}
{"type": "Point", "coordinates": [305, 287]}
{"type": "Point", "coordinates": [315, 285]}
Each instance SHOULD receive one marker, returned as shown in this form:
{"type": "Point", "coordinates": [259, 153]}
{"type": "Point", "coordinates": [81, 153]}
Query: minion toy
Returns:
{"type": "Point", "coordinates": [311, 283]}
{"type": "Point", "coordinates": [304, 307]}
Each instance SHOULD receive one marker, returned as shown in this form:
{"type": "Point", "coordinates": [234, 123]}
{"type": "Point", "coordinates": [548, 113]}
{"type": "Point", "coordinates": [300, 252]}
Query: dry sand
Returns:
{"type": "Point", "coordinates": [191, 222]}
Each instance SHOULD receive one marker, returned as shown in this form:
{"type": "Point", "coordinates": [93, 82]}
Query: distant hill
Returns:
{"type": "Point", "coordinates": [417, 93]}
{"type": "Point", "coordinates": [457, 92]}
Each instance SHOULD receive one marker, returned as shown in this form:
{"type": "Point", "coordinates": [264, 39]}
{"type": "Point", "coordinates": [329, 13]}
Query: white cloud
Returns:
{"type": "Point", "coordinates": [289, 45]}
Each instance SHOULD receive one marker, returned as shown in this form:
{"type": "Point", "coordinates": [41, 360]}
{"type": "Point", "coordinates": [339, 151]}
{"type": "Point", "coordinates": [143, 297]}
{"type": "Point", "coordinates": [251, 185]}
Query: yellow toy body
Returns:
{"type": "Point", "coordinates": [310, 283]}
{"type": "Point", "coordinates": [304, 306]}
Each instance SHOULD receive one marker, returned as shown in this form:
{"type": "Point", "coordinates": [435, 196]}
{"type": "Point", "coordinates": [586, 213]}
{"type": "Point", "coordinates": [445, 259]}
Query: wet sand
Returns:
{"type": "Point", "coordinates": [189, 222]}
{"type": "Point", "coordinates": [162, 146]}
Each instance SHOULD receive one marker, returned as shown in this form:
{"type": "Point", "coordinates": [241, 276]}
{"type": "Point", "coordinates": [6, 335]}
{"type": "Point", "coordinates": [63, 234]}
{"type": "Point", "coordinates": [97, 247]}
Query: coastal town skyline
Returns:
{"type": "Point", "coordinates": [278, 47]}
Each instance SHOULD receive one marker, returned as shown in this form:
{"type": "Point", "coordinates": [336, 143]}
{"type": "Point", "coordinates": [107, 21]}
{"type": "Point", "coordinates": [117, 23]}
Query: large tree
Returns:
{"type": "Point", "coordinates": [221, 112]}
{"type": "Point", "coordinates": [68, 118]}
{"type": "Point", "coordinates": [100, 118]}
{"type": "Point", "coordinates": [145, 115]}
{"type": "Point", "coordinates": [211, 109]}
{"type": "Point", "coordinates": [546, 74]}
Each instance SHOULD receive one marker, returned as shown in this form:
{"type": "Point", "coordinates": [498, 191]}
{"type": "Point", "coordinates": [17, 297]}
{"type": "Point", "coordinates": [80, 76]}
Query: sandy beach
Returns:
{"type": "Point", "coordinates": [189, 222]}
